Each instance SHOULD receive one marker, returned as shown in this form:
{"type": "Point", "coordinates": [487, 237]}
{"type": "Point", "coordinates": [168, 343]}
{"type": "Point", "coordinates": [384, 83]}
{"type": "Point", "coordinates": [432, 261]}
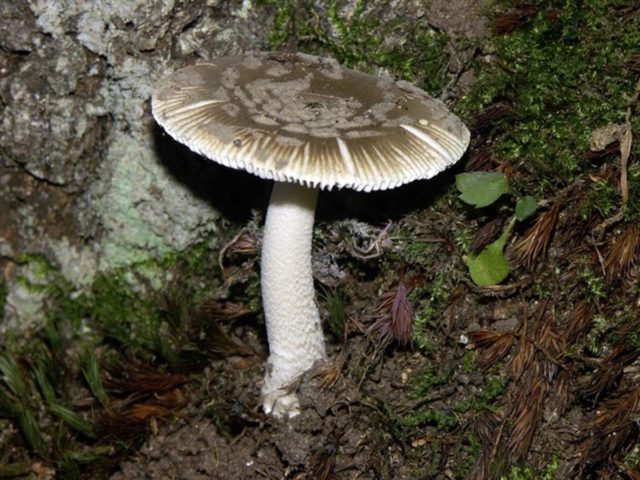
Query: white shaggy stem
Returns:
{"type": "Point", "coordinates": [295, 336]}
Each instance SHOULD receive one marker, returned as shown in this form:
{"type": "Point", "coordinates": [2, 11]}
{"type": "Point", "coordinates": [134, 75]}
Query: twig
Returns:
{"type": "Point", "coordinates": [626, 141]}
{"type": "Point", "coordinates": [625, 145]}
{"type": "Point", "coordinates": [599, 255]}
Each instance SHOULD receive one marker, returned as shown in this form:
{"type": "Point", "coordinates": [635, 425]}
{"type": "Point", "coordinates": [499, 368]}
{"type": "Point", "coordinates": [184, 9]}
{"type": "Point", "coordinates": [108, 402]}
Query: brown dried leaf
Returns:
{"type": "Point", "coordinates": [522, 359]}
{"type": "Point", "coordinates": [631, 473]}
{"type": "Point", "coordinates": [630, 11]}
{"type": "Point", "coordinates": [491, 114]}
{"type": "Point", "coordinates": [322, 462]}
{"type": "Point", "coordinates": [481, 159]}
{"type": "Point", "coordinates": [526, 414]}
{"type": "Point", "coordinates": [485, 425]}
{"type": "Point", "coordinates": [550, 340]}
{"type": "Point", "coordinates": [244, 243]}
{"type": "Point", "coordinates": [561, 392]}
{"type": "Point", "coordinates": [528, 342]}
{"type": "Point", "coordinates": [481, 469]}
{"type": "Point", "coordinates": [331, 374]}
{"type": "Point", "coordinates": [519, 17]}
{"type": "Point", "coordinates": [623, 253]}
{"type": "Point", "coordinates": [495, 345]}
{"type": "Point", "coordinates": [485, 429]}
{"type": "Point", "coordinates": [209, 336]}
{"type": "Point", "coordinates": [552, 348]}
{"type": "Point", "coordinates": [124, 428]}
{"type": "Point", "coordinates": [486, 234]}
{"type": "Point", "coordinates": [618, 410]}
{"type": "Point", "coordinates": [138, 378]}
{"type": "Point", "coordinates": [633, 64]}
{"type": "Point", "coordinates": [578, 321]}
{"type": "Point", "coordinates": [146, 411]}
{"type": "Point", "coordinates": [608, 152]}
{"type": "Point", "coordinates": [607, 377]}
{"type": "Point", "coordinates": [213, 309]}
{"type": "Point", "coordinates": [394, 317]}
{"type": "Point", "coordinates": [604, 380]}
{"type": "Point", "coordinates": [537, 239]}
{"type": "Point", "coordinates": [614, 430]}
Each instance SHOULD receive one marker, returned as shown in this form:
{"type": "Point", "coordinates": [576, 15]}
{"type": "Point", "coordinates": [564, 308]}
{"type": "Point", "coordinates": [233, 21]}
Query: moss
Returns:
{"type": "Point", "coordinates": [563, 76]}
{"type": "Point", "coordinates": [542, 290]}
{"type": "Point", "coordinates": [462, 237]}
{"type": "Point", "coordinates": [441, 421]}
{"type": "Point", "coordinates": [415, 252]}
{"type": "Point", "coordinates": [468, 363]}
{"type": "Point", "coordinates": [424, 382]}
{"type": "Point", "coordinates": [602, 198]}
{"type": "Point", "coordinates": [526, 472]}
{"type": "Point", "coordinates": [596, 288]}
{"type": "Point", "coordinates": [430, 299]}
{"type": "Point", "coordinates": [596, 341]}
{"type": "Point", "coordinates": [361, 38]}
{"type": "Point", "coordinates": [448, 419]}
{"type": "Point", "coordinates": [632, 458]}
{"type": "Point", "coordinates": [483, 399]}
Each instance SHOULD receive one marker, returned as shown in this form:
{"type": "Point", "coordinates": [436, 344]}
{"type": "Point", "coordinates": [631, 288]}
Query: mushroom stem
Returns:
{"type": "Point", "coordinates": [295, 336]}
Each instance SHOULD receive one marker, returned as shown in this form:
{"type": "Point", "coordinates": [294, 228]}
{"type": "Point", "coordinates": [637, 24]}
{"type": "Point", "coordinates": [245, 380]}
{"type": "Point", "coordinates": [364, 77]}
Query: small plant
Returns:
{"type": "Point", "coordinates": [526, 472]}
{"type": "Point", "coordinates": [394, 315]}
{"type": "Point", "coordinates": [335, 301]}
{"type": "Point", "coordinates": [481, 189]}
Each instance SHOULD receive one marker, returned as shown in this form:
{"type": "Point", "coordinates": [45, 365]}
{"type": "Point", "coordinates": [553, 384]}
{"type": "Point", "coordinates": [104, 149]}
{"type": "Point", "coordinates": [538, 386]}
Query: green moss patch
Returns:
{"type": "Point", "coordinates": [360, 38]}
{"type": "Point", "coordinates": [563, 74]}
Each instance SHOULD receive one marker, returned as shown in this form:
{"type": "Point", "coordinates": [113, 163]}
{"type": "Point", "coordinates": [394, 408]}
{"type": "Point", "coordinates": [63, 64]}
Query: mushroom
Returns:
{"type": "Point", "coordinates": [307, 123]}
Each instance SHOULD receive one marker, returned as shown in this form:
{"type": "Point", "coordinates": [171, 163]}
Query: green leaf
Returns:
{"type": "Point", "coordinates": [490, 266]}
{"type": "Point", "coordinates": [91, 373]}
{"type": "Point", "coordinates": [525, 207]}
{"type": "Point", "coordinates": [481, 188]}
{"type": "Point", "coordinates": [41, 379]}
{"type": "Point", "coordinates": [31, 432]}
{"type": "Point", "coordinates": [12, 377]}
{"type": "Point", "coordinates": [73, 419]}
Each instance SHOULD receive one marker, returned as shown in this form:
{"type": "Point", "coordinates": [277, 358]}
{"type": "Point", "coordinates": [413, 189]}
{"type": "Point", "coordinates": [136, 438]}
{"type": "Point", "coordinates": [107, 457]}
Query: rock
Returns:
{"type": "Point", "coordinates": [82, 176]}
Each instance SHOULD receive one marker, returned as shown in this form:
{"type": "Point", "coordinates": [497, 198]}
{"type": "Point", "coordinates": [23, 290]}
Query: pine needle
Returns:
{"type": "Point", "coordinates": [527, 411]}
{"type": "Point", "coordinates": [494, 345]}
{"type": "Point", "coordinates": [622, 253]}
{"type": "Point", "coordinates": [578, 321]}
{"type": "Point", "coordinates": [537, 239]}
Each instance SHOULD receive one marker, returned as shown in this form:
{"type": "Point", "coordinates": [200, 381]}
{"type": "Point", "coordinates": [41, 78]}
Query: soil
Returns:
{"type": "Point", "coordinates": [338, 435]}
{"type": "Point", "coordinates": [344, 430]}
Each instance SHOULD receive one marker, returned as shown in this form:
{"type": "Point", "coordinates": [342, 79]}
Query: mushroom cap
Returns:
{"type": "Point", "coordinates": [299, 118]}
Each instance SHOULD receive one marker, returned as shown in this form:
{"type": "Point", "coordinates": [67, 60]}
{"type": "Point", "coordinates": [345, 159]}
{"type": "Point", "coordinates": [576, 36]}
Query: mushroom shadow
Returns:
{"type": "Point", "coordinates": [233, 193]}
{"type": "Point", "coordinates": [384, 205]}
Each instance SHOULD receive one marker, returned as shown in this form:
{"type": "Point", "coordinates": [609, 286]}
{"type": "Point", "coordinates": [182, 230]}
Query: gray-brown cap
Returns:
{"type": "Point", "coordinates": [305, 119]}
